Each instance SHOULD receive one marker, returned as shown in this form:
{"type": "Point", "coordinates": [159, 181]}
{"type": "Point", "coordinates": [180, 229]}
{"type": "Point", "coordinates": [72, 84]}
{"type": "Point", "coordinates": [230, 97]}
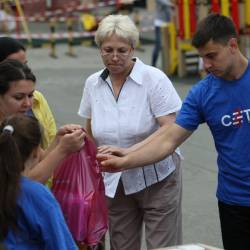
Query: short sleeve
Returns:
{"type": "Point", "coordinates": [85, 104]}
{"type": "Point", "coordinates": [55, 231]}
{"type": "Point", "coordinates": [190, 115]}
{"type": "Point", "coordinates": [44, 219]}
{"type": "Point", "coordinates": [163, 98]}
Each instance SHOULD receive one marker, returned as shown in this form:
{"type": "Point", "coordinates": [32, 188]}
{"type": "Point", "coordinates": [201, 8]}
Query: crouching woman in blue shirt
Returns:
{"type": "Point", "coordinates": [30, 217]}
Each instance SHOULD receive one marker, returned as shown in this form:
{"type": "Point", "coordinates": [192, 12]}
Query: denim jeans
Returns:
{"type": "Point", "coordinates": [157, 47]}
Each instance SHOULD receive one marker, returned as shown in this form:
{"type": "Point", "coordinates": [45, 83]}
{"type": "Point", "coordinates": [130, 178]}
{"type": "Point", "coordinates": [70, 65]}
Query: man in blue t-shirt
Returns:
{"type": "Point", "coordinates": [222, 100]}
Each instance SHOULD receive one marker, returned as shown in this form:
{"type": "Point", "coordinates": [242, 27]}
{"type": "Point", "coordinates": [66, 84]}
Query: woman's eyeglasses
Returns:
{"type": "Point", "coordinates": [121, 53]}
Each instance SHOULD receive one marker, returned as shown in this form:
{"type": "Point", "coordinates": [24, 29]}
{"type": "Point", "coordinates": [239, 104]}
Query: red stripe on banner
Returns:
{"type": "Point", "coordinates": [67, 8]}
{"type": "Point", "coordinates": [181, 18]}
{"type": "Point", "coordinates": [192, 11]}
{"type": "Point", "coordinates": [47, 36]}
{"type": "Point", "coordinates": [235, 14]}
{"type": "Point", "coordinates": [215, 6]}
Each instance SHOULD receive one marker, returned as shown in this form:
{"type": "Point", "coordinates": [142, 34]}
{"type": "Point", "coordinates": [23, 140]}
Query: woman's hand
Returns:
{"type": "Point", "coordinates": [108, 149]}
{"type": "Point", "coordinates": [68, 128]}
{"type": "Point", "coordinates": [70, 138]}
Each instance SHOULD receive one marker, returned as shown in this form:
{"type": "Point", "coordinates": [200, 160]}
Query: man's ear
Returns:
{"type": "Point", "coordinates": [233, 44]}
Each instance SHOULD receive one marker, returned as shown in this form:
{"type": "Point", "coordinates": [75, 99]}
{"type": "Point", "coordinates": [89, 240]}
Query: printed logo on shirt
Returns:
{"type": "Point", "coordinates": [236, 118]}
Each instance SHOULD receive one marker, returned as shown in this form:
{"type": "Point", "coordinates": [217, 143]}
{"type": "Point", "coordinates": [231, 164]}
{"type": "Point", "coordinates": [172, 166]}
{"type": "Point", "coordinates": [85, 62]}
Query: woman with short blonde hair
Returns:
{"type": "Point", "coordinates": [124, 104]}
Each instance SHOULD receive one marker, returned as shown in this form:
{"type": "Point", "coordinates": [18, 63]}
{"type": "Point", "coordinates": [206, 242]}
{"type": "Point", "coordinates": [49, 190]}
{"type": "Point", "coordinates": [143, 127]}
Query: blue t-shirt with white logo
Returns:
{"type": "Point", "coordinates": [225, 107]}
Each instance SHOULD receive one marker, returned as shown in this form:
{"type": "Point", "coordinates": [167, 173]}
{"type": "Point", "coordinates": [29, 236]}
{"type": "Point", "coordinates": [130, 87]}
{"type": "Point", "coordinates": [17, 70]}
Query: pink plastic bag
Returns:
{"type": "Point", "coordinates": [79, 189]}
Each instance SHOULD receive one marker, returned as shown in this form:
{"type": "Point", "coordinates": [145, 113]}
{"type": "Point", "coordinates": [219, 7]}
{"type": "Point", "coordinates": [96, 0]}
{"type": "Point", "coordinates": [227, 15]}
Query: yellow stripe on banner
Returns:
{"type": "Point", "coordinates": [247, 12]}
{"type": "Point", "coordinates": [24, 23]}
{"type": "Point", "coordinates": [173, 50]}
{"type": "Point", "coordinates": [186, 46]}
{"type": "Point", "coordinates": [186, 19]}
{"type": "Point", "coordinates": [225, 7]}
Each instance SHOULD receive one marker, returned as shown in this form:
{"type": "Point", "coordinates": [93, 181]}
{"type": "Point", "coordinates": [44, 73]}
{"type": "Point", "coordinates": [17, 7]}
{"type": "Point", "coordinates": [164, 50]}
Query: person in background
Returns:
{"type": "Point", "coordinates": [124, 104]}
{"type": "Point", "coordinates": [7, 17]}
{"type": "Point", "coordinates": [11, 48]}
{"type": "Point", "coordinates": [16, 96]}
{"type": "Point", "coordinates": [30, 216]}
{"type": "Point", "coordinates": [163, 14]}
{"type": "Point", "coordinates": [221, 100]}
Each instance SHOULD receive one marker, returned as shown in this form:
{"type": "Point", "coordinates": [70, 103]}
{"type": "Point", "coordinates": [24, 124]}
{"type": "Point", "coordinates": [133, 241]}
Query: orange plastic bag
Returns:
{"type": "Point", "coordinates": [79, 189]}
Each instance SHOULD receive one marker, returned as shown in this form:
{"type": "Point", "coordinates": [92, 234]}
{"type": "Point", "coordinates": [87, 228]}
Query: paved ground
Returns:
{"type": "Point", "coordinates": [61, 80]}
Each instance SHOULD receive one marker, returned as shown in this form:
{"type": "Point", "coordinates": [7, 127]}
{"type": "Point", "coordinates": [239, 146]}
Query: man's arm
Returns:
{"type": "Point", "coordinates": [162, 145]}
{"type": "Point", "coordinates": [165, 120]}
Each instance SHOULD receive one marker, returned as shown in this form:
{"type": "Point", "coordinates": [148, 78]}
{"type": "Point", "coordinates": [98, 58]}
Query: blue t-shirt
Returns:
{"type": "Point", "coordinates": [40, 220]}
{"type": "Point", "coordinates": [225, 107]}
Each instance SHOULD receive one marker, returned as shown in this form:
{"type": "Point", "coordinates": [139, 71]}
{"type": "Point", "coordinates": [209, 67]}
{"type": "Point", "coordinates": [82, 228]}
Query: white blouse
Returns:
{"type": "Point", "coordinates": [146, 95]}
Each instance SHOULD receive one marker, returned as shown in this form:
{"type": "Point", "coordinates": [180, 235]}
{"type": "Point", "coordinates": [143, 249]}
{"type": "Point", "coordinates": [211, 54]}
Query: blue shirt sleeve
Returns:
{"type": "Point", "coordinates": [54, 230]}
{"type": "Point", "coordinates": [191, 115]}
{"type": "Point", "coordinates": [44, 217]}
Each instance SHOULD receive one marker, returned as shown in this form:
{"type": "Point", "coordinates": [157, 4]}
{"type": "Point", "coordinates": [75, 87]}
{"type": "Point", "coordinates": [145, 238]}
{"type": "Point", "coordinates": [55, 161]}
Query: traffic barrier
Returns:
{"type": "Point", "coordinates": [59, 14]}
{"type": "Point", "coordinates": [85, 7]}
{"type": "Point", "coordinates": [19, 12]}
{"type": "Point", "coordinates": [137, 21]}
{"type": "Point", "coordinates": [70, 37]}
{"type": "Point", "coordinates": [169, 52]}
{"type": "Point", "coordinates": [53, 39]}
{"type": "Point", "coordinates": [247, 12]}
{"type": "Point", "coordinates": [47, 36]}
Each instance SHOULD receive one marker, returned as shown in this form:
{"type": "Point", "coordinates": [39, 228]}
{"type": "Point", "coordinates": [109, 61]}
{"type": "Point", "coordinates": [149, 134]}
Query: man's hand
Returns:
{"type": "Point", "coordinates": [108, 149]}
{"type": "Point", "coordinates": [111, 163]}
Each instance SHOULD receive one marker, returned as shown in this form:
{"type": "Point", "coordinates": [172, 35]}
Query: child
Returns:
{"type": "Point", "coordinates": [30, 217]}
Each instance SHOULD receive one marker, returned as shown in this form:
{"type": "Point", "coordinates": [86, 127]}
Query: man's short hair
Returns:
{"type": "Point", "coordinates": [215, 27]}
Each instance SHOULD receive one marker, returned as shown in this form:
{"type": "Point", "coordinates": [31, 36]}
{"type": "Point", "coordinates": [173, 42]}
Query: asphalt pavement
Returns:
{"type": "Point", "coordinates": [61, 81]}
